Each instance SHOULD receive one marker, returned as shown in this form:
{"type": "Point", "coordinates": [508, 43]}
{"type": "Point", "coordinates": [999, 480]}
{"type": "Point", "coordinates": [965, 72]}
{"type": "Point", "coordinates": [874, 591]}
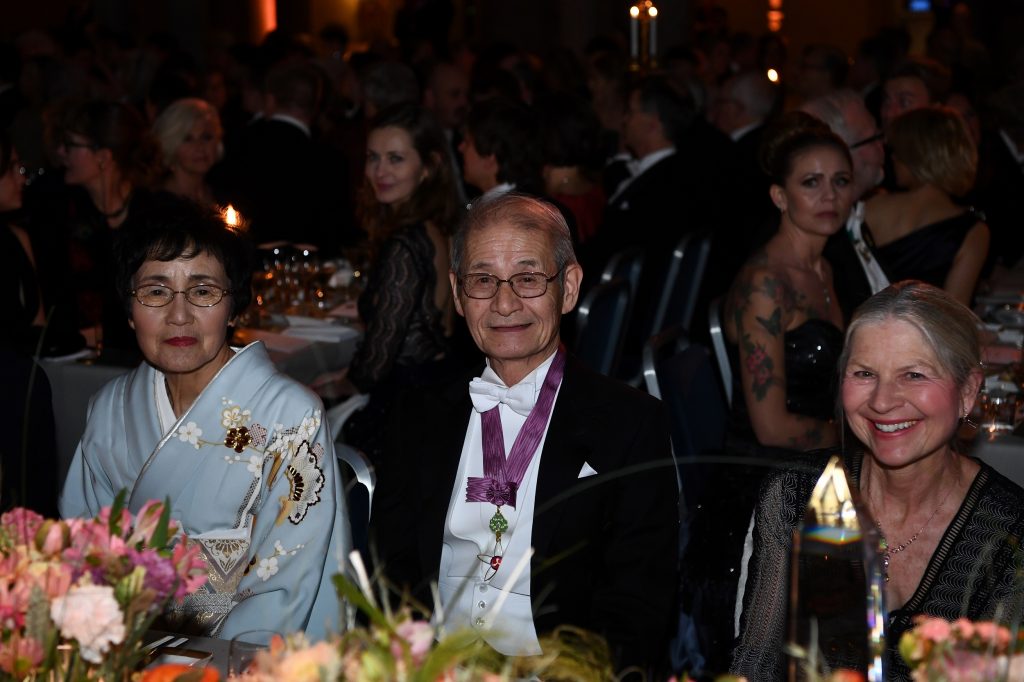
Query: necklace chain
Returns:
{"type": "Point", "coordinates": [888, 552]}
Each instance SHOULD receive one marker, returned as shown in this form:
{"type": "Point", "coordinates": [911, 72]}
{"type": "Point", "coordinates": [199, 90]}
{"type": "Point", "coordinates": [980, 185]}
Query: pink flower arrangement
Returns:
{"type": "Point", "coordinates": [962, 651]}
{"type": "Point", "coordinates": [90, 587]}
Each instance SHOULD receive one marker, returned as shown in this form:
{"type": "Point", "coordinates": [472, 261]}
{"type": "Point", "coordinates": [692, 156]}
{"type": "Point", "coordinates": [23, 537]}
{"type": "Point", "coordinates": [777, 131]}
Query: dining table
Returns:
{"type": "Point", "coordinates": [305, 349]}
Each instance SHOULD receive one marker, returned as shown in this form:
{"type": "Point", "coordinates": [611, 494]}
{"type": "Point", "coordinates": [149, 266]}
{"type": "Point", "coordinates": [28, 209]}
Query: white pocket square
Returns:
{"type": "Point", "coordinates": [587, 470]}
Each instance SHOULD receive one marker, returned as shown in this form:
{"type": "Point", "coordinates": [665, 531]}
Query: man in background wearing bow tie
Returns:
{"type": "Point", "coordinates": [545, 494]}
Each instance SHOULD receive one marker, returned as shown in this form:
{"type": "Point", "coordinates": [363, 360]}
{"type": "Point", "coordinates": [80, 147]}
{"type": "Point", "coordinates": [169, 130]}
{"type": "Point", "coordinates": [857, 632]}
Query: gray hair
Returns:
{"type": "Point", "coordinates": [831, 109]}
{"type": "Point", "coordinates": [755, 92]}
{"type": "Point", "coordinates": [175, 122]}
{"type": "Point", "coordinates": [948, 326]}
{"type": "Point", "coordinates": [520, 211]}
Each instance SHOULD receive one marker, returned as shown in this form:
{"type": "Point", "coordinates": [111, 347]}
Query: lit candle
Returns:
{"type": "Point", "coordinates": [634, 32]}
{"type": "Point", "coordinates": [231, 216]}
{"type": "Point", "coordinates": [773, 75]}
{"type": "Point", "coordinates": [652, 23]}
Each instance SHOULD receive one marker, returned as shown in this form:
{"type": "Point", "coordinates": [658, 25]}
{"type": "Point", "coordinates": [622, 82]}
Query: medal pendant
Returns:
{"type": "Point", "coordinates": [498, 523]}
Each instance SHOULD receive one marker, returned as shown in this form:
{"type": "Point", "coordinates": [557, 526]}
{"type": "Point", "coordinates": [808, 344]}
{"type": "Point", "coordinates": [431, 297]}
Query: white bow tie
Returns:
{"type": "Point", "coordinates": [485, 395]}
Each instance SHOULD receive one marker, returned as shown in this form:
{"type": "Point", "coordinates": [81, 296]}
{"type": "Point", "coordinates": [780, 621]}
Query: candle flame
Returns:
{"type": "Point", "coordinates": [634, 11]}
{"type": "Point", "coordinates": [652, 12]}
{"type": "Point", "coordinates": [773, 75]}
{"type": "Point", "coordinates": [231, 216]}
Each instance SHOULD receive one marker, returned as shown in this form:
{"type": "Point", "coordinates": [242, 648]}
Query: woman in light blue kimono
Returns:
{"type": "Point", "coordinates": [242, 451]}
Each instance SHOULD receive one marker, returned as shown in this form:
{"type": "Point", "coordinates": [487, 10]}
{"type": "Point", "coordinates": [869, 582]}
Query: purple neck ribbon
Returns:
{"type": "Point", "coordinates": [502, 477]}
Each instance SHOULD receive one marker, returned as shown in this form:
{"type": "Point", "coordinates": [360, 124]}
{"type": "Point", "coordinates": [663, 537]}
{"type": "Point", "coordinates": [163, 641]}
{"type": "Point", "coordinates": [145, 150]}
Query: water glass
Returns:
{"type": "Point", "coordinates": [1000, 410]}
{"type": "Point", "coordinates": [244, 646]}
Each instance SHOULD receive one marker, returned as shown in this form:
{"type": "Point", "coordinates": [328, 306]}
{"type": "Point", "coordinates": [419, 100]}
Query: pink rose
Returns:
{"type": "Point", "coordinates": [311, 664]}
{"type": "Point", "coordinates": [935, 629]}
{"type": "Point", "coordinates": [964, 627]}
{"type": "Point", "coordinates": [993, 635]}
{"type": "Point", "coordinates": [89, 614]}
{"type": "Point", "coordinates": [21, 524]}
{"type": "Point", "coordinates": [20, 655]}
{"type": "Point", "coordinates": [55, 538]}
{"type": "Point", "coordinates": [418, 635]}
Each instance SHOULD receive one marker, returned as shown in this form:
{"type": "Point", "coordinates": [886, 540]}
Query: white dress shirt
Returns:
{"type": "Point", "coordinates": [501, 613]}
{"type": "Point", "coordinates": [639, 169]}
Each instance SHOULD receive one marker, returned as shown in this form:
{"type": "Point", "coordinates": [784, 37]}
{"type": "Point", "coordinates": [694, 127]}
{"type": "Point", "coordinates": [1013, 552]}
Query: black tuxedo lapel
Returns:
{"type": "Point", "coordinates": [437, 466]}
{"type": "Point", "coordinates": [563, 457]}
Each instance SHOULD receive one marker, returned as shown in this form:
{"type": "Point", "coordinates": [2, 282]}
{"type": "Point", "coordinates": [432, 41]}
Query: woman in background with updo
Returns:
{"type": "Point", "coordinates": [785, 328]}
{"type": "Point", "coordinates": [190, 138]}
{"type": "Point", "coordinates": [781, 312]}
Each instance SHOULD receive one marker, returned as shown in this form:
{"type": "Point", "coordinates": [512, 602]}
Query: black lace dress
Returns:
{"type": "Point", "coordinates": [405, 345]}
{"type": "Point", "coordinates": [972, 574]}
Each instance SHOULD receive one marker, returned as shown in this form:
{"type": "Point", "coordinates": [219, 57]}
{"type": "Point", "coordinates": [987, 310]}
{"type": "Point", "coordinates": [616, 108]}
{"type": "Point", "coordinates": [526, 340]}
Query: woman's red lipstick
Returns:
{"type": "Point", "coordinates": [181, 341]}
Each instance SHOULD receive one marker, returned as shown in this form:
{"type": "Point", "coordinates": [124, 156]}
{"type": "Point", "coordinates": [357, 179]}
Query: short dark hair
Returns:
{"type": "Point", "coordinates": [172, 228]}
{"type": "Point", "coordinates": [121, 129]}
{"type": "Point", "coordinates": [674, 110]}
{"type": "Point", "coordinates": [936, 78]}
{"type": "Point", "coordinates": [509, 131]}
{"type": "Point", "coordinates": [570, 132]}
{"type": "Point", "coordinates": [296, 85]}
{"type": "Point", "coordinates": [832, 60]}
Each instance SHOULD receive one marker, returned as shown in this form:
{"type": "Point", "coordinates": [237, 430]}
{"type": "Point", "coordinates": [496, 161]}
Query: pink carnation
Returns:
{"type": "Point", "coordinates": [89, 614]}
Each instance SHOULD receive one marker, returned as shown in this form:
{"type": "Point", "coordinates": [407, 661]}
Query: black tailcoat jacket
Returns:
{"type": "Point", "coordinates": [605, 545]}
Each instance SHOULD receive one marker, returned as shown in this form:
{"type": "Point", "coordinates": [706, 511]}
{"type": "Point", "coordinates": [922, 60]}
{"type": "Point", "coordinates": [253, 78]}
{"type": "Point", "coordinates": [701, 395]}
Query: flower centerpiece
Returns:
{"type": "Point", "coordinates": [76, 596]}
{"type": "Point", "coordinates": [396, 646]}
{"type": "Point", "coordinates": [962, 651]}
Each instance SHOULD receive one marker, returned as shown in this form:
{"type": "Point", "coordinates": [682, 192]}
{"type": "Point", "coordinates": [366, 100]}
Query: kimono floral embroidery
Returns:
{"type": "Point", "coordinates": [238, 438]}
{"type": "Point", "coordinates": [190, 433]}
{"type": "Point", "coordinates": [234, 417]}
{"type": "Point", "coordinates": [306, 480]}
{"type": "Point", "coordinates": [268, 567]}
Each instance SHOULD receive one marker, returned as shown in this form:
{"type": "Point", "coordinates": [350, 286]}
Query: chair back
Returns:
{"type": "Point", "coordinates": [682, 375]}
{"type": "Point", "coordinates": [682, 283]}
{"type": "Point", "coordinates": [718, 345]}
{"type": "Point", "coordinates": [359, 480]}
{"type": "Point", "coordinates": [601, 325]}
{"type": "Point", "coordinates": [339, 414]}
{"type": "Point", "coordinates": [628, 264]}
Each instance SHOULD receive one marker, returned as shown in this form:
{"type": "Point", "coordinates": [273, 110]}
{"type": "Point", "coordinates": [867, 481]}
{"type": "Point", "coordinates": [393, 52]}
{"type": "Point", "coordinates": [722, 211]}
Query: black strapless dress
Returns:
{"type": "Point", "coordinates": [718, 525]}
{"type": "Point", "coordinates": [927, 254]}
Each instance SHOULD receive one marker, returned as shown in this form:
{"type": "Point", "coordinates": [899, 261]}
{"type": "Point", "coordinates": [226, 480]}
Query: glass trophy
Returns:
{"type": "Point", "coordinates": [836, 592]}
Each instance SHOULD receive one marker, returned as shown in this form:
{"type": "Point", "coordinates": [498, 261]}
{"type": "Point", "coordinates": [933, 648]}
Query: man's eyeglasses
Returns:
{"type": "Point", "coordinates": [157, 295]}
{"type": "Point", "coordinates": [523, 284]}
{"type": "Point", "coordinates": [877, 137]}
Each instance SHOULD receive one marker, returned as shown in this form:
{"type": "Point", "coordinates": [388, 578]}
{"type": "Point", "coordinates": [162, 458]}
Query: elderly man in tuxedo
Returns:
{"type": "Point", "coordinates": [539, 493]}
